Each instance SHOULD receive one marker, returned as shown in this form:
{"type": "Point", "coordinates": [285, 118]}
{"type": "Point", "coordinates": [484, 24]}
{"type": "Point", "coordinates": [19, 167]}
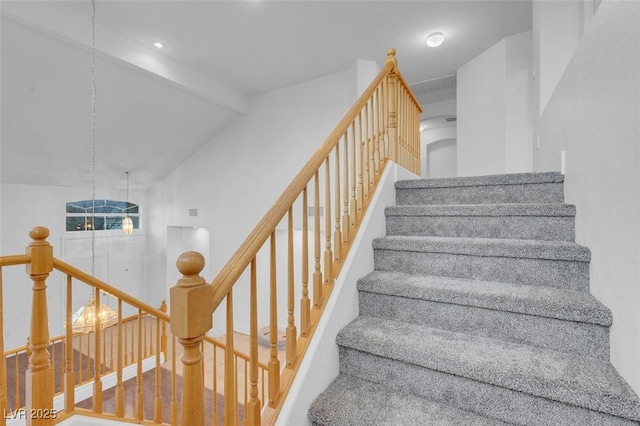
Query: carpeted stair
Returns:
{"type": "Point", "coordinates": [478, 313]}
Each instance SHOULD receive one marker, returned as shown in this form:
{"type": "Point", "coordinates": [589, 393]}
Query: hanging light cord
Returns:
{"type": "Point", "coordinates": [93, 139]}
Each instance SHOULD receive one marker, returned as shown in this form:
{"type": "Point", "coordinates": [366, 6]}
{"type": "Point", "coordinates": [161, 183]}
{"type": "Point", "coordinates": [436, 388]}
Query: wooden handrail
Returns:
{"type": "Point", "coordinates": [18, 259]}
{"type": "Point", "coordinates": [113, 291]}
{"type": "Point", "coordinates": [232, 270]}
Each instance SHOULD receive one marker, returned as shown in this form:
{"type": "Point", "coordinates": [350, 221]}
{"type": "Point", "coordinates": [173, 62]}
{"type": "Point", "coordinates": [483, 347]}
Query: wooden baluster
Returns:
{"type": "Point", "coordinates": [345, 192]}
{"type": "Point", "coordinates": [88, 363]}
{"type": "Point", "coordinates": [328, 255]}
{"type": "Point", "coordinates": [39, 377]}
{"type": "Point", "coordinates": [139, 388]}
{"type": "Point", "coordinates": [158, 399]}
{"type": "Point", "coordinates": [246, 384]}
{"type": "Point", "coordinates": [3, 363]}
{"type": "Point", "coordinates": [415, 144]}
{"type": "Point", "coordinates": [125, 351]}
{"type": "Point", "coordinates": [305, 305]}
{"type": "Point", "coordinates": [150, 330]}
{"type": "Point", "coordinates": [365, 154]}
{"type": "Point", "coordinates": [103, 365]}
{"type": "Point", "coordinates": [353, 203]}
{"type": "Point", "coordinates": [191, 317]}
{"type": "Point", "coordinates": [405, 143]}
{"type": "Point", "coordinates": [214, 374]}
{"type": "Point", "coordinates": [230, 395]}
{"type": "Point", "coordinates": [120, 366]}
{"type": "Point", "coordinates": [376, 113]}
{"type": "Point", "coordinates": [337, 234]}
{"type": "Point", "coordinates": [16, 368]}
{"type": "Point", "coordinates": [174, 384]}
{"type": "Point", "coordinates": [392, 111]}
{"type": "Point", "coordinates": [291, 327]}
{"type": "Point", "coordinates": [254, 406]}
{"type": "Point", "coordinates": [80, 361]}
{"type": "Point", "coordinates": [97, 379]}
{"type": "Point", "coordinates": [111, 346]}
{"type": "Point", "coordinates": [419, 142]}
{"type": "Point", "coordinates": [52, 349]}
{"type": "Point", "coordinates": [133, 329]}
{"type": "Point", "coordinates": [360, 189]}
{"type": "Point", "coordinates": [385, 119]}
{"type": "Point", "coordinates": [144, 336]}
{"type": "Point", "coordinates": [317, 274]}
{"type": "Point", "coordinates": [381, 122]}
{"type": "Point", "coordinates": [274, 362]}
{"type": "Point", "coordinates": [372, 142]}
{"type": "Point", "coordinates": [163, 339]}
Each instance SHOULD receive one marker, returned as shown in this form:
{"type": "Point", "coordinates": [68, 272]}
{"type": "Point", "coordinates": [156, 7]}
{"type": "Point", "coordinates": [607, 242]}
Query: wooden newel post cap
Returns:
{"type": "Point", "coordinates": [190, 264]}
{"type": "Point", "coordinates": [41, 252]}
{"type": "Point", "coordinates": [391, 56]}
{"type": "Point", "coordinates": [191, 299]}
{"type": "Point", "coordinates": [38, 234]}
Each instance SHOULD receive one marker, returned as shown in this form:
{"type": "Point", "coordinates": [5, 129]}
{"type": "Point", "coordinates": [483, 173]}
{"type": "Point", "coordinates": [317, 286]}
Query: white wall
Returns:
{"type": "Point", "coordinates": [494, 98]}
{"type": "Point", "coordinates": [594, 116]}
{"type": "Point", "coordinates": [518, 156]}
{"type": "Point", "coordinates": [556, 30]}
{"type": "Point", "coordinates": [22, 208]}
{"type": "Point", "coordinates": [235, 178]}
{"type": "Point", "coordinates": [481, 113]}
{"type": "Point", "coordinates": [442, 159]}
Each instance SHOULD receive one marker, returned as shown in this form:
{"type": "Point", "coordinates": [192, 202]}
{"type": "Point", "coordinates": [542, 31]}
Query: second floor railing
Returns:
{"type": "Point", "coordinates": [311, 228]}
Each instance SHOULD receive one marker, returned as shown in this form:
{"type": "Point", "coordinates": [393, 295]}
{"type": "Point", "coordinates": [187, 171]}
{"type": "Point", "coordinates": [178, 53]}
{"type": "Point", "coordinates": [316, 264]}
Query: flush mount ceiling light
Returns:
{"type": "Point", "coordinates": [158, 44]}
{"type": "Point", "coordinates": [435, 39]}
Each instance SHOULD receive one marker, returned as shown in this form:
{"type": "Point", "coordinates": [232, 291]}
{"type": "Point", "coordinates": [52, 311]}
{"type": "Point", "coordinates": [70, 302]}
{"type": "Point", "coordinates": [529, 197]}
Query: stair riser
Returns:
{"type": "Point", "coordinates": [490, 194]}
{"type": "Point", "coordinates": [554, 273]}
{"type": "Point", "coordinates": [513, 227]}
{"type": "Point", "coordinates": [483, 398]}
{"type": "Point", "coordinates": [566, 336]}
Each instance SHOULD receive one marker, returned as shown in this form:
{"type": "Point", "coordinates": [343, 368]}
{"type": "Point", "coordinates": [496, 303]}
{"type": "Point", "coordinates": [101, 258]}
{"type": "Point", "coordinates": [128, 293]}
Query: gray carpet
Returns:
{"type": "Point", "coordinates": [478, 312]}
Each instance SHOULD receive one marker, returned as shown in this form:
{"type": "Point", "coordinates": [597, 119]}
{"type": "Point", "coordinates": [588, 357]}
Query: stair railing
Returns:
{"type": "Point", "coordinates": [137, 355]}
{"type": "Point", "coordinates": [342, 176]}
{"type": "Point", "coordinates": [383, 125]}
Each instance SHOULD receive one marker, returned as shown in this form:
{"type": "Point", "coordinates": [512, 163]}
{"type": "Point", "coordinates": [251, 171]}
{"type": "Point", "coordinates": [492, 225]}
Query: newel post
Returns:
{"type": "Point", "coordinates": [39, 376]}
{"type": "Point", "coordinates": [392, 107]}
{"type": "Point", "coordinates": [191, 317]}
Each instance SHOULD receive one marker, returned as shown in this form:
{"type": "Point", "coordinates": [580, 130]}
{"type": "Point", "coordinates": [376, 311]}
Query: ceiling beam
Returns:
{"type": "Point", "coordinates": [65, 24]}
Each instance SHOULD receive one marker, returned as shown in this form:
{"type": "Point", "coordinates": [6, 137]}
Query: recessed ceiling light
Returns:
{"type": "Point", "coordinates": [158, 44]}
{"type": "Point", "coordinates": [435, 39]}
{"type": "Point", "coordinates": [423, 127]}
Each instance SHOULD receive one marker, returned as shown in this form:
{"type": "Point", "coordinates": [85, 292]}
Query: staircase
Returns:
{"type": "Point", "coordinates": [478, 313]}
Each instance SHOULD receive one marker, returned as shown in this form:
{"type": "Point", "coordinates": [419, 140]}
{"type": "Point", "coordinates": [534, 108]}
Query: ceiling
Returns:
{"type": "Point", "coordinates": [154, 108]}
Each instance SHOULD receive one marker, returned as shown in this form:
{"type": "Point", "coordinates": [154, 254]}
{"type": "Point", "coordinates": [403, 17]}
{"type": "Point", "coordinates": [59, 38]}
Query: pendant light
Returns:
{"type": "Point", "coordinates": [127, 223]}
{"type": "Point", "coordinates": [84, 319]}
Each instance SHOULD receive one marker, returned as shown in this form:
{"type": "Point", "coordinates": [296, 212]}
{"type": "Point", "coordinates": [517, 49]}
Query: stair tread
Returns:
{"type": "Point", "coordinates": [572, 379]}
{"type": "Point", "coordinates": [486, 247]}
{"type": "Point", "coordinates": [353, 401]}
{"type": "Point", "coordinates": [502, 209]}
{"type": "Point", "coordinates": [505, 179]}
{"type": "Point", "coordinates": [565, 304]}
